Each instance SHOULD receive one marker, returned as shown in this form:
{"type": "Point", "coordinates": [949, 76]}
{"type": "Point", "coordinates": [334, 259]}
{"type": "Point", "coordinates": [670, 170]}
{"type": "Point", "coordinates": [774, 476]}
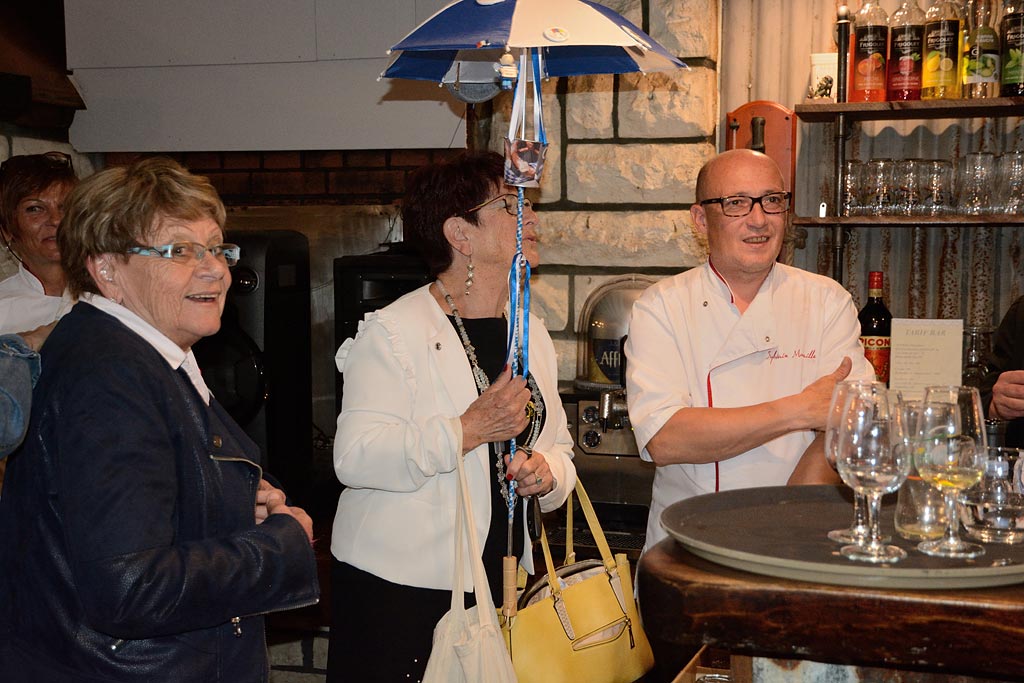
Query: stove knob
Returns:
{"type": "Point", "coordinates": [590, 415]}
{"type": "Point", "coordinates": [592, 439]}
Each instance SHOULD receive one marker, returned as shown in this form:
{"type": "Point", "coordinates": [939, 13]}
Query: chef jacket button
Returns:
{"type": "Point", "coordinates": [217, 441]}
{"type": "Point", "coordinates": [437, 346]}
{"type": "Point", "coordinates": [705, 304]}
{"type": "Point", "coordinates": [767, 339]}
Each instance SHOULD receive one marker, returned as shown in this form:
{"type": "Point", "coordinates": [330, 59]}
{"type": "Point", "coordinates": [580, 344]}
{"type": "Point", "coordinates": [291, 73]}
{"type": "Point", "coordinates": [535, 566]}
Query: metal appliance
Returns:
{"type": "Point", "coordinates": [605, 453]}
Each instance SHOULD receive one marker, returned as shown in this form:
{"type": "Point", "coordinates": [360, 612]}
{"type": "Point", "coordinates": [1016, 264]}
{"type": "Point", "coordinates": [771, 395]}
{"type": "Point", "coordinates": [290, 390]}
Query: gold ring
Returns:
{"type": "Point", "coordinates": [539, 481]}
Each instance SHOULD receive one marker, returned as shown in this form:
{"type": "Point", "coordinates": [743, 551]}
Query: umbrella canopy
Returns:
{"type": "Point", "coordinates": [463, 41]}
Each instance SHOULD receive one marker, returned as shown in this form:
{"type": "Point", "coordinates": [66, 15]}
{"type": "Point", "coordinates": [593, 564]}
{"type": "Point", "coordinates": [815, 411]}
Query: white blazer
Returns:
{"type": "Point", "coordinates": [407, 381]}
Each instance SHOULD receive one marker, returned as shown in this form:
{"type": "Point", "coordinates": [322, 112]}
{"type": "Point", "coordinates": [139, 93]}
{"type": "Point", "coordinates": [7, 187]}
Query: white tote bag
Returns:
{"type": "Point", "coordinates": [468, 644]}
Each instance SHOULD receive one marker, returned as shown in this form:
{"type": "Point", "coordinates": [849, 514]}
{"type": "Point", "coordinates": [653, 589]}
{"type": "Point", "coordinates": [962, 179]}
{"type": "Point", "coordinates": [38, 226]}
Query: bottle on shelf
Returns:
{"type": "Point", "coordinates": [906, 45]}
{"type": "Point", "coordinates": [868, 54]}
{"type": "Point", "coordinates": [981, 51]}
{"type": "Point", "coordinates": [977, 344]}
{"type": "Point", "coordinates": [1011, 41]}
{"type": "Point", "coordinates": [940, 73]}
{"type": "Point", "coordinates": [876, 327]}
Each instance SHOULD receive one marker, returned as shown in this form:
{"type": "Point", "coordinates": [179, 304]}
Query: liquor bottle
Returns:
{"type": "Point", "coordinates": [981, 52]}
{"type": "Point", "coordinates": [868, 57]}
{"type": "Point", "coordinates": [940, 74]}
{"type": "Point", "coordinates": [876, 328]}
{"type": "Point", "coordinates": [1011, 41]}
{"type": "Point", "coordinates": [977, 345]}
{"type": "Point", "coordinates": [906, 43]}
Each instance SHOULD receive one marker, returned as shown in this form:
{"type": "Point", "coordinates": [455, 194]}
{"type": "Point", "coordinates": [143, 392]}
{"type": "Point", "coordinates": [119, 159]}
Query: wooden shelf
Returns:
{"type": "Point", "coordinates": [953, 221]}
{"type": "Point", "coordinates": [922, 109]}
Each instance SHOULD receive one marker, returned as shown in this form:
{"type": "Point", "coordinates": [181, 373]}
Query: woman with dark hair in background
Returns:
{"type": "Point", "coordinates": [32, 192]}
{"type": "Point", "coordinates": [426, 382]}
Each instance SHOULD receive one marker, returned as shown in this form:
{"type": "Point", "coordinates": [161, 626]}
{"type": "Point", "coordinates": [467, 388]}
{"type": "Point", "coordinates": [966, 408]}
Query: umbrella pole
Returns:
{"type": "Point", "coordinates": [509, 585]}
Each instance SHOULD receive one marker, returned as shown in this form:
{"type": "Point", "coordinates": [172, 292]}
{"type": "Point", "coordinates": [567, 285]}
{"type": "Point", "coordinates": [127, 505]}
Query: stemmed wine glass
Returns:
{"type": "Point", "coordinates": [858, 530]}
{"type": "Point", "coordinates": [968, 399]}
{"type": "Point", "coordinates": [872, 460]}
{"type": "Point", "coordinates": [951, 461]}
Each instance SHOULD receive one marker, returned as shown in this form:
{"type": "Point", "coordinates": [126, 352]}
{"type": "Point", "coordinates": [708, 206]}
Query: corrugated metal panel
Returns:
{"type": "Point", "coordinates": [931, 272]}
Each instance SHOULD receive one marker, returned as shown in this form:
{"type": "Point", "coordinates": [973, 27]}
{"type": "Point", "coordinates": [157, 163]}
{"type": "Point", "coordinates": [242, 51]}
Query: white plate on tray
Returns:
{"type": "Point", "coordinates": [780, 531]}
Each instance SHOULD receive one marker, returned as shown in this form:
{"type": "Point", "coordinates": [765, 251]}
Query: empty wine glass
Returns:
{"type": "Point", "coordinates": [951, 462]}
{"type": "Point", "coordinates": [873, 461]}
{"type": "Point", "coordinates": [968, 400]}
{"type": "Point", "coordinates": [858, 529]}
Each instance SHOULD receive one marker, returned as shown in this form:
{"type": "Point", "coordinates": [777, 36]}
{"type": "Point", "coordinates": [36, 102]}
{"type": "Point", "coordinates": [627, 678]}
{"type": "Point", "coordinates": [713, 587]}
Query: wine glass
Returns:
{"type": "Point", "coordinates": [858, 530]}
{"type": "Point", "coordinates": [951, 462]}
{"type": "Point", "coordinates": [968, 399]}
{"type": "Point", "coordinates": [872, 460]}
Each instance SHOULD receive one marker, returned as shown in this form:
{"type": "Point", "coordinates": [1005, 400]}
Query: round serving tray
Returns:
{"type": "Point", "coordinates": [780, 531]}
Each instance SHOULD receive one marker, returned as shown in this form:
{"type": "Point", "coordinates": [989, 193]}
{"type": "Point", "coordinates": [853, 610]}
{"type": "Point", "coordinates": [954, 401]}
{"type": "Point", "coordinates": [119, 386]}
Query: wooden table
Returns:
{"type": "Point", "coordinates": [687, 601]}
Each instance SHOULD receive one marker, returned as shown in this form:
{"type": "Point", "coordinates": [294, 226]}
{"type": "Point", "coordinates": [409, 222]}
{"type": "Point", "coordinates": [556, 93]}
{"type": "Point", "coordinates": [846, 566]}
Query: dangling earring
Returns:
{"type": "Point", "coordinates": [469, 276]}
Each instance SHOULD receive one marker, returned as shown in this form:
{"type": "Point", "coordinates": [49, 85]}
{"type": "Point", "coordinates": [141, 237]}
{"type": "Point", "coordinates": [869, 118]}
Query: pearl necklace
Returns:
{"type": "Point", "coordinates": [534, 408]}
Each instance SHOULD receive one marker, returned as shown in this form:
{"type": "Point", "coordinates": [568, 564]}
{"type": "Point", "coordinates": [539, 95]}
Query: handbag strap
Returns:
{"type": "Point", "coordinates": [464, 525]}
{"type": "Point", "coordinates": [570, 552]}
{"type": "Point", "coordinates": [607, 558]}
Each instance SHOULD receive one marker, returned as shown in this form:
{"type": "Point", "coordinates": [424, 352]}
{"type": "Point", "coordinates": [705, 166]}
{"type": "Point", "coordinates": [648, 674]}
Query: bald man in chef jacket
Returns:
{"type": "Point", "coordinates": [732, 363]}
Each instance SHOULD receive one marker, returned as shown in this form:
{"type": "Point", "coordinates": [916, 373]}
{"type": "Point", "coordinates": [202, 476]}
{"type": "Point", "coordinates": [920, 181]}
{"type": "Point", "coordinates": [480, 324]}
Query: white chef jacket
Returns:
{"type": "Point", "coordinates": [24, 304]}
{"type": "Point", "coordinates": [689, 345]}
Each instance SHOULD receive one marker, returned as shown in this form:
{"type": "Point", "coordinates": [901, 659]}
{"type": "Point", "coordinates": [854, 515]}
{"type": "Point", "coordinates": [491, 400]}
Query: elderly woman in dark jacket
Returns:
{"type": "Point", "coordinates": [139, 540]}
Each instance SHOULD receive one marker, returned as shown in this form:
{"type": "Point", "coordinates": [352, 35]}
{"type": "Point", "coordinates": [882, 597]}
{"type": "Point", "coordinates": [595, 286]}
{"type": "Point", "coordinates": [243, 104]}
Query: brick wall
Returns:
{"type": "Point", "coordinates": [331, 177]}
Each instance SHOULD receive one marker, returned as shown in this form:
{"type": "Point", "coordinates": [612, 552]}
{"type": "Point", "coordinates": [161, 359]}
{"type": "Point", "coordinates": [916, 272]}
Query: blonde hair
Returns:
{"type": "Point", "coordinates": [119, 208]}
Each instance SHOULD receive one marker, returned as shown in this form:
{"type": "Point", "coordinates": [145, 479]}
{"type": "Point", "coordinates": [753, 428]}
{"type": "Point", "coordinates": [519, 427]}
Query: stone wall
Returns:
{"type": "Point", "coordinates": [623, 158]}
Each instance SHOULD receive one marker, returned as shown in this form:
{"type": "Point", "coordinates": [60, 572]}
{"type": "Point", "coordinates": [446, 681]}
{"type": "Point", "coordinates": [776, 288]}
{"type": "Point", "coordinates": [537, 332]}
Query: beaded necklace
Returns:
{"type": "Point", "coordinates": [534, 408]}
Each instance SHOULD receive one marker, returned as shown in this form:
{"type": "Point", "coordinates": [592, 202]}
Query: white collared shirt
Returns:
{"type": "Point", "coordinates": [25, 305]}
{"type": "Point", "coordinates": [170, 351]}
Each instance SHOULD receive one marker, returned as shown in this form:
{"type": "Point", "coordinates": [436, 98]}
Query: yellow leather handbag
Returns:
{"type": "Point", "coordinates": [579, 622]}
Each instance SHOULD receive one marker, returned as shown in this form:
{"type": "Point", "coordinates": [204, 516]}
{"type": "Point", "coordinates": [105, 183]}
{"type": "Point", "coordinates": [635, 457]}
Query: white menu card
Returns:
{"type": "Point", "coordinates": [924, 353]}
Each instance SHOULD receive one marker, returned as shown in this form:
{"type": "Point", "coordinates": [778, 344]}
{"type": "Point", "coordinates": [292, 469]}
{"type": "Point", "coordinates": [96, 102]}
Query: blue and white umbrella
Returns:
{"type": "Point", "coordinates": [478, 42]}
{"type": "Point", "coordinates": [463, 41]}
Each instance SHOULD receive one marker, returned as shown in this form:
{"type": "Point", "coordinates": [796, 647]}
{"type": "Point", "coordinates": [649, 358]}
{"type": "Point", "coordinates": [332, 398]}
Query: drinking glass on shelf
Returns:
{"type": "Point", "coordinates": [907, 183]}
{"type": "Point", "coordinates": [872, 460]}
{"type": "Point", "coordinates": [850, 199]}
{"type": "Point", "coordinates": [877, 176]}
{"type": "Point", "coordinates": [977, 179]}
{"type": "Point", "coordinates": [936, 187]}
{"type": "Point", "coordinates": [1011, 182]}
{"type": "Point", "coordinates": [857, 532]}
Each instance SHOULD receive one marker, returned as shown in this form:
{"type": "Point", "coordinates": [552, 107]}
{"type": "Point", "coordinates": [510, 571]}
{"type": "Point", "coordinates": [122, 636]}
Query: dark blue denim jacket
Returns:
{"type": "Point", "coordinates": [19, 370]}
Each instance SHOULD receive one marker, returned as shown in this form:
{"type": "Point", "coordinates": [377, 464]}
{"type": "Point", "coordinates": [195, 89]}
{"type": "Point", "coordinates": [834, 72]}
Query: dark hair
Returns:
{"type": "Point", "coordinates": [113, 210]}
{"type": "Point", "coordinates": [26, 174]}
{"type": "Point", "coordinates": [439, 191]}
